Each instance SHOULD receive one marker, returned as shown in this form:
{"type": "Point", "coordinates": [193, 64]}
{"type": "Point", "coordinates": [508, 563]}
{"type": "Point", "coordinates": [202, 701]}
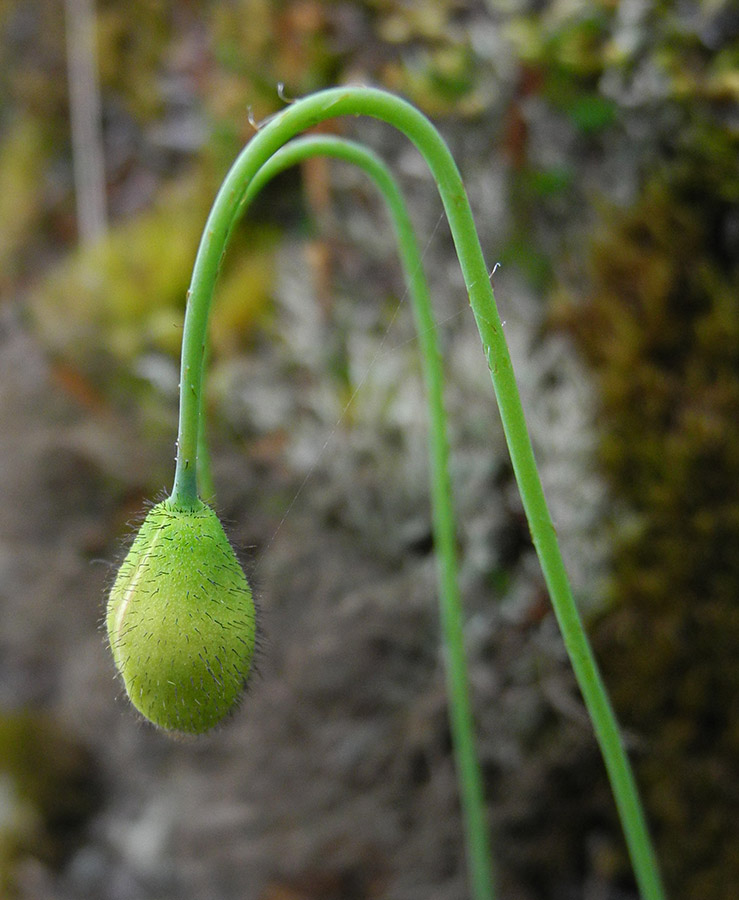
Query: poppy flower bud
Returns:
{"type": "Point", "coordinates": [181, 620]}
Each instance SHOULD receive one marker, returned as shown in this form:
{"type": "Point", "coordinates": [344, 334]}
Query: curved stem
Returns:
{"type": "Point", "coordinates": [462, 727]}
{"type": "Point", "coordinates": [206, 488]}
{"type": "Point", "coordinates": [303, 114]}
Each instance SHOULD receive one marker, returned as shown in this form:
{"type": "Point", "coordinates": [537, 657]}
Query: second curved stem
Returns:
{"type": "Point", "coordinates": [477, 833]}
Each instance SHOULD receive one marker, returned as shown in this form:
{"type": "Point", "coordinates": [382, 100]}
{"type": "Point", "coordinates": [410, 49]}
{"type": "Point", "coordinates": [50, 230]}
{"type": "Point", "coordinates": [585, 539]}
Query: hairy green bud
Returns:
{"type": "Point", "coordinates": [181, 620]}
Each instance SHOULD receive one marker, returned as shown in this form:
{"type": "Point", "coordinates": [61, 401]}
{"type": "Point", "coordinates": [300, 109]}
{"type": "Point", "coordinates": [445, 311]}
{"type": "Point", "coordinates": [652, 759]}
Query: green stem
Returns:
{"type": "Point", "coordinates": [303, 114]}
{"type": "Point", "coordinates": [462, 727]}
{"type": "Point", "coordinates": [206, 488]}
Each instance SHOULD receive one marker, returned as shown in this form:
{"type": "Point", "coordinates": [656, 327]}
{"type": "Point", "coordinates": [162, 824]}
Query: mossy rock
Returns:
{"type": "Point", "coordinates": [661, 330]}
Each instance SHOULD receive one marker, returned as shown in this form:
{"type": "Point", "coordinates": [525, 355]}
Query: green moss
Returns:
{"type": "Point", "coordinates": [592, 113]}
{"type": "Point", "coordinates": [132, 41]}
{"type": "Point", "coordinates": [426, 53]}
{"type": "Point", "coordinates": [48, 791]}
{"type": "Point", "coordinates": [661, 329]}
{"type": "Point", "coordinates": [22, 154]}
{"type": "Point", "coordinates": [125, 295]}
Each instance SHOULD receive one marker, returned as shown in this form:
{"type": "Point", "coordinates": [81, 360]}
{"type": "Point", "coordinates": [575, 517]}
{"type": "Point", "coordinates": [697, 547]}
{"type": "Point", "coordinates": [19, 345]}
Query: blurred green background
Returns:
{"type": "Point", "coordinates": [599, 144]}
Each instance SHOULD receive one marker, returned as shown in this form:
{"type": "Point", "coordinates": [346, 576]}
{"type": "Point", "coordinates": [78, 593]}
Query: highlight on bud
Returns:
{"type": "Point", "coordinates": [181, 620]}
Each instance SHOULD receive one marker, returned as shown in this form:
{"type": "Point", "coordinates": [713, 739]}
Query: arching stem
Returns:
{"type": "Point", "coordinates": [299, 116]}
{"type": "Point", "coordinates": [477, 833]}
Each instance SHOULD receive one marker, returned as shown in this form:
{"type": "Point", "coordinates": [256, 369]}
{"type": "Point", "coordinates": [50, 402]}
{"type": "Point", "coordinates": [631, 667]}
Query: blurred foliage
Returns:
{"type": "Point", "coordinates": [660, 326]}
{"type": "Point", "coordinates": [259, 45]}
{"type": "Point", "coordinates": [122, 298]}
{"type": "Point", "coordinates": [430, 56]}
{"type": "Point", "coordinates": [122, 288]}
{"type": "Point", "coordinates": [48, 792]}
{"type": "Point", "coordinates": [32, 77]}
{"type": "Point", "coordinates": [21, 195]}
{"type": "Point", "coordinates": [656, 314]}
{"type": "Point", "coordinates": [163, 65]}
{"type": "Point", "coordinates": [131, 49]}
